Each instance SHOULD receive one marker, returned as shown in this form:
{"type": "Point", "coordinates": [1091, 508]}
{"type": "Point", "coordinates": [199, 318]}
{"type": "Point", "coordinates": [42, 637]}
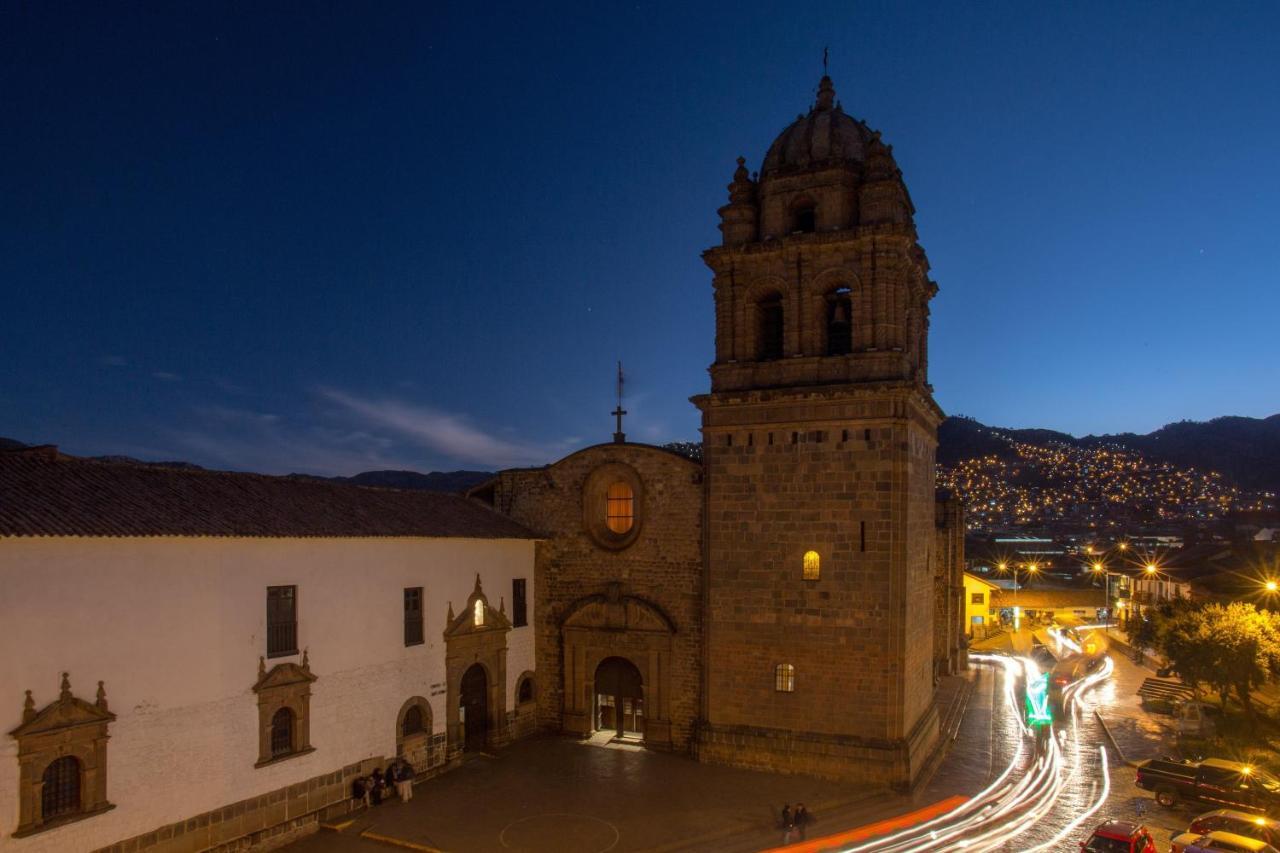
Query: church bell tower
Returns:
{"type": "Point", "coordinates": [819, 437]}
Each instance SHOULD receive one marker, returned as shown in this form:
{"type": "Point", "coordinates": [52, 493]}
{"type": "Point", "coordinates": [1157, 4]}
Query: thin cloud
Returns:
{"type": "Point", "coordinates": [445, 433]}
{"type": "Point", "coordinates": [113, 361]}
{"type": "Point", "coordinates": [166, 376]}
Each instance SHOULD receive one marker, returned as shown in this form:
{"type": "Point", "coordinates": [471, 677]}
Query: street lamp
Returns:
{"type": "Point", "coordinates": [1106, 586]}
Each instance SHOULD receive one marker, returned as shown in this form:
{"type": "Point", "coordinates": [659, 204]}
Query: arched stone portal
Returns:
{"type": "Point", "coordinates": [473, 708]}
{"type": "Point", "coordinates": [476, 669]}
{"type": "Point", "coordinates": [600, 629]}
{"type": "Point", "coordinates": [619, 699]}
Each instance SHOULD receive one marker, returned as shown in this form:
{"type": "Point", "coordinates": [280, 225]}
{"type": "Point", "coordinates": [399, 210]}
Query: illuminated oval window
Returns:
{"type": "Point", "coordinates": [620, 508]}
{"type": "Point", "coordinates": [812, 566]}
{"type": "Point", "coordinates": [479, 613]}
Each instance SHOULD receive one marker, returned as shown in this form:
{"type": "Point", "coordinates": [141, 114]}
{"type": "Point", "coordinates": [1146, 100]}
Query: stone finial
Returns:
{"type": "Point", "coordinates": [502, 605]}
{"type": "Point", "coordinates": [262, 666]}
{"type": "Point", "coordinates": [451, 616]}
{"type": "Point", "coordinates": [476, 591]}
{"type": "Point", "coordinates": [66, 686]}
{"type": "Point", "coordinates": [826, 93]}
{"type": "Point", "coordinates": [102, 696]}
{"type": "Point", "coordinates": [306, 659]}
{"type": "Point", "coordinates": [742, 190]}
{"type": "Point", "coordinates": [28, 708]}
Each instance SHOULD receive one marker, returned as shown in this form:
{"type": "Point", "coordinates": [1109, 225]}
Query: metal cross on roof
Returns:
{"type": "Point", "coordinates": [619, 437]}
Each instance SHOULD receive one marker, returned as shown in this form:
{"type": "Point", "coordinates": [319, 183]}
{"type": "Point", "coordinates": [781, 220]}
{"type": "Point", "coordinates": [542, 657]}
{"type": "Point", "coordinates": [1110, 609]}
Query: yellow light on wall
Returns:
{"type": "Point", "coordinates": [812, 566]}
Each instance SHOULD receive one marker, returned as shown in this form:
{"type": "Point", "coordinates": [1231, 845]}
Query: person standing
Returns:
{"type": "Point", "coordinates": [359, 793]}
{"type": "Point", "coordinates": [801, 817]}
{"type": "Point", "coordinates": [404, 780]}
{"type": "Point", "coordinates": [788, 823]}
{"type": "Point", "coordinates": [376, 786]}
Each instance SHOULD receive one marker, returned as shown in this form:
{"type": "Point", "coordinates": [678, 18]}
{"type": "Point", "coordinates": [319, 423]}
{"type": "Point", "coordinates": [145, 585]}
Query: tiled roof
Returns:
{"type": "Point", "coordinates": [44, 493]}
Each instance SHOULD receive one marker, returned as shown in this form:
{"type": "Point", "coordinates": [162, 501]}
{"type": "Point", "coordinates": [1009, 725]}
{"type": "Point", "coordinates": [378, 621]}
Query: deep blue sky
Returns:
{"type": "Point", "coordinates": [326, 238]}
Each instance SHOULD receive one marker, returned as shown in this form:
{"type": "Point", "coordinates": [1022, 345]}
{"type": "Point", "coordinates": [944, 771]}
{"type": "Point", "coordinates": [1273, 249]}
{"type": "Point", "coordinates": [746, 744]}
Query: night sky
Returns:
{"type": "Point", "coordinates": [309, 237]}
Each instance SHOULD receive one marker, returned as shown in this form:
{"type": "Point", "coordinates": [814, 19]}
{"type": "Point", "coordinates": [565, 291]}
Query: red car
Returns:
{"type": "Point", "coordinates": [1120, 836]}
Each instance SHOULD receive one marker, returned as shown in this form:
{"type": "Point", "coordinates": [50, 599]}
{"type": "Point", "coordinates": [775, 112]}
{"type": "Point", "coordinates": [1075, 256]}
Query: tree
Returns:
{"type": "Point", "coordinates": [1233, 648]}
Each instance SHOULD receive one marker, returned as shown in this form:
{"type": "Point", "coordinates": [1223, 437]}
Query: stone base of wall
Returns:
{"type": "Point", "coordinates": [896, 763]}
{"type": "Point", "coordinates": [259, 823]}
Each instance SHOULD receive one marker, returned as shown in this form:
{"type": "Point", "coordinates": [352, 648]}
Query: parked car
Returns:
{"type": "Point", "coordinates": [1119, 836]}
{"type": "Point", "coordinates": [1219, 842]}
{"type": "Point", "coordinates": [1241, 823]}
{"type": "Point", "coordinates": [1214, 780]}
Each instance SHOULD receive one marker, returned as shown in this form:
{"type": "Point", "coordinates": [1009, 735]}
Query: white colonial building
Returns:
{"type": "Point", "coordinates": [200, 660]}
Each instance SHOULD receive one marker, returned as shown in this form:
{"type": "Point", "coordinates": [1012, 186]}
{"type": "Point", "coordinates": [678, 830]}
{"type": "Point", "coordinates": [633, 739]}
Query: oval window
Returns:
{"type": "Point", "coordinates": [620, 513]}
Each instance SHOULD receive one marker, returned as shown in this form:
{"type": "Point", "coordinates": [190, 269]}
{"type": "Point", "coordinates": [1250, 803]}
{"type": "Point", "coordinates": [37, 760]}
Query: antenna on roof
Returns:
{"type": "Point", "coordinates": [619, 437]}
{"type": "Point", "coordinates": [825, 52]}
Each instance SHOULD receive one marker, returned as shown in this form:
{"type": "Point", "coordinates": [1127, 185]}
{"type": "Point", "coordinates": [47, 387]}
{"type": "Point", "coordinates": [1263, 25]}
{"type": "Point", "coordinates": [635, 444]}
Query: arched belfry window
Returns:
{"type": "Point", "coordinates": [839, 322]}
{"type": "Point", "coordinates": [478, 613]}
{"type": "Point", "coordinates": [771, 326]}
{"type": "Point", "coordinates": [803, 217]}
{"type": "Point", "coordinates": [620, 507]}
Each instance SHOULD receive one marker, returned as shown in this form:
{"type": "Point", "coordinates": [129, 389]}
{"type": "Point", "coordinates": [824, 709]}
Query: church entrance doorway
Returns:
{"type": "Point", "coordinates": [473, 707]}
{"type": "Point", "coordinates": [619, 698]}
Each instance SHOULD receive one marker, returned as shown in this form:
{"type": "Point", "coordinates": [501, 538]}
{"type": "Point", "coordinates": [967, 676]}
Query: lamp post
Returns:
{"type": "Point", "coordinates": [1106, 586]}
{"type": "Point", "coordinates": [1032, 568]}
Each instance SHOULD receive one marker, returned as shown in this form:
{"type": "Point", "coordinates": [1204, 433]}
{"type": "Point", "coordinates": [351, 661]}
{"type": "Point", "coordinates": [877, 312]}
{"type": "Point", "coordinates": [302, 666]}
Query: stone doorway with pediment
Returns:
{"type": "Point", "coordinates": [619, 644]}
{"type": "Point", "coordinates": [476, 669]}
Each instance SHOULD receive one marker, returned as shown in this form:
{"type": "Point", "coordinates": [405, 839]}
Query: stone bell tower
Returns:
{"type": "Point", "coordinates": [818, 438]}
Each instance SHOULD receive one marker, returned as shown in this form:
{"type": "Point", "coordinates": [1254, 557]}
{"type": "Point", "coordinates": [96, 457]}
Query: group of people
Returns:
{"type": "Point", "coordinates": [795, 819]}
{"type": "Point", "coordinates": [371, 790]}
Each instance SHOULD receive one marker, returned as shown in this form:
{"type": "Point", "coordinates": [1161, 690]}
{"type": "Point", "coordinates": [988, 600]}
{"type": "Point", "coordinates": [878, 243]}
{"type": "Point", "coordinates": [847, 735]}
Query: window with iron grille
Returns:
{"type": "Point", "coordinates": [282, 621]}
{"type": "Point", "coordinates": [281, 733]}
{"type": "Point", "coordinates": [784, 678]}
{"type": "Point", "coordinates": [519, 605]}
{"type": "Point", "coordinates": [61, 793]}
{"type": "Point", "coordinates": [413, 616]}
{"type": "Point", "coordinates": [413, 724]}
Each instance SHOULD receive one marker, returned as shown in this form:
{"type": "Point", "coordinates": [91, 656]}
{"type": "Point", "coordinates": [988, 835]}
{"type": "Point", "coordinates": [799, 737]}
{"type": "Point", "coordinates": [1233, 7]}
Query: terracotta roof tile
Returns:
{"type": "Point", "coordinates": [44, 493]}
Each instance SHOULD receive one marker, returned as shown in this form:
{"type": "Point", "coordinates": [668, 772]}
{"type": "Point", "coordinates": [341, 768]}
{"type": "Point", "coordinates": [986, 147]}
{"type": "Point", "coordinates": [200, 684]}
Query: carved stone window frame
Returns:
{"type": "Point", "coordinates": [285, 685]}
{"type": "Point", "coordinates": [595, 505]}
{"type": "Point", "coordinates": [67, 727]}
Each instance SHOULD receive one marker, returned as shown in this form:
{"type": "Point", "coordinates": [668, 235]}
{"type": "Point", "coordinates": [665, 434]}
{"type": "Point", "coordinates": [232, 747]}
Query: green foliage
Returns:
{"type": "Point", "coordinates": [1229, 648]}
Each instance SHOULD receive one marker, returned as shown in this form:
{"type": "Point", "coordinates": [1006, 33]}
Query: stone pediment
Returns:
{"type": "Point", "coordinates": [614, 612]}
{"type": "Point", "coordinates": [64, 713]}
{"type": "Point", "coordinates": [464, 623]}
{"type": "Point", "coordinates": [283, 674]}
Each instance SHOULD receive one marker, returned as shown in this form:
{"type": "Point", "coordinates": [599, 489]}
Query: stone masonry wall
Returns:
{"type": "Point", "coordinates": [663, 565]}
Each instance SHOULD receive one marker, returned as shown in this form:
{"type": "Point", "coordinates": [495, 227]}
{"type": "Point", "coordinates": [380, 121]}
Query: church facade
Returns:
{"type": "Point", "coordinates": [787, 603]}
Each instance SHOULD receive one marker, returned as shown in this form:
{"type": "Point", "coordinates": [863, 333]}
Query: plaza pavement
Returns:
{"type": "Point", "coordinates": [559, 795]}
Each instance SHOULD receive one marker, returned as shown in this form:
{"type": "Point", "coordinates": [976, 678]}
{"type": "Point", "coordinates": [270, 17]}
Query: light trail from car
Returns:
{"type": "Point", "coordinates": [1006, 809]}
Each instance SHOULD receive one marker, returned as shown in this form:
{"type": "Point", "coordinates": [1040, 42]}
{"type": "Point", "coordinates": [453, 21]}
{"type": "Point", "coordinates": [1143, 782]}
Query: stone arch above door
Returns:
{"type": "Point", "coordinates": [612, 624]}
{"type": "Point", "coordinates": [415, 735]}
{"type": "Point", "coordinates": [477, 634]}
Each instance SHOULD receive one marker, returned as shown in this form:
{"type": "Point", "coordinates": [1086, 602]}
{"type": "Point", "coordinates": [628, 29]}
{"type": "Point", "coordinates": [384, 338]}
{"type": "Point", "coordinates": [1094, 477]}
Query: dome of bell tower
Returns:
{"type": "Point", "coordinates": [826, 136]}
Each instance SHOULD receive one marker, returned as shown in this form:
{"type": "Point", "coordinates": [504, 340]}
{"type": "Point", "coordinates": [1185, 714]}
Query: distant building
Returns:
{"type": "Point", "coordinates": [981, 614]}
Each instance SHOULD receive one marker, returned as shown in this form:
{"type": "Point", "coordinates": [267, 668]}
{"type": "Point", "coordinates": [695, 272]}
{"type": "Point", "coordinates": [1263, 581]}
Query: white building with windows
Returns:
{"type": "Point", "coordinates": [196, 659]}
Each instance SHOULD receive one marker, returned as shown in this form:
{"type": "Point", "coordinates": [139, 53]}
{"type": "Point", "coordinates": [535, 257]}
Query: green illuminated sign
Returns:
{"type": "Point", "coordinates": [1038, 711]}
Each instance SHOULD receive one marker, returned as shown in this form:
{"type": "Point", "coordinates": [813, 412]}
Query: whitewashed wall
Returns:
{"type": "Point", "coordinates": [175, 626]}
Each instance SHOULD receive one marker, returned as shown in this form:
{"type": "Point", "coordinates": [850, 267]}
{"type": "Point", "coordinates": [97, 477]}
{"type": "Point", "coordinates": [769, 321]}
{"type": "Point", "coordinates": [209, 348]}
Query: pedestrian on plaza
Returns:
{"type": "Point", "coordinates": [801, 818]}
{"type": "Point", "coordinates": [404, 780]}
{"type": "Point", "coordinates": [359, 793]}
{"type": "Point", "coordinates": [376, 786]}
{"type": "Point", "coordinates": [389, 777]}
{"type": "Point", "coordinates": [788, 823]}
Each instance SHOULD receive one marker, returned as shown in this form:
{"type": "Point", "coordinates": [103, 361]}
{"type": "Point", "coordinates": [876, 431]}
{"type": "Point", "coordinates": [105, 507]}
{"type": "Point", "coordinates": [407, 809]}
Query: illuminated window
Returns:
{"type": "Point", "coordinates": [620, 508]}
{"type": "Point", "coordinates": [784, 678]}
{"type": "Point", "coordinates": [479, 613]}
{"type": "Point", "coordinates": [812, 565]}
